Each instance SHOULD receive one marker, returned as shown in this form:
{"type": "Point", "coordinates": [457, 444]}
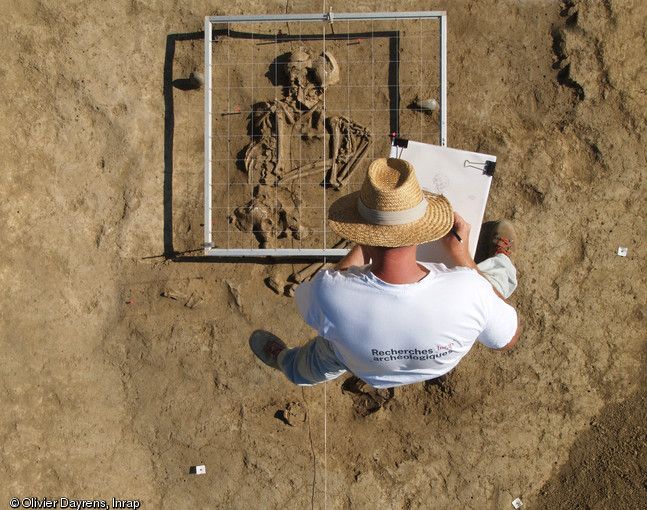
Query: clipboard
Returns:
{"type": "Point", "coordinates": [463, 177]}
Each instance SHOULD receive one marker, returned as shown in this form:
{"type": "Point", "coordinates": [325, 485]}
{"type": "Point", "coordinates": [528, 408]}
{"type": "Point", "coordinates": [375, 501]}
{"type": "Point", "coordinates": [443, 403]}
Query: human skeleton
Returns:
{"type": "Point", "coordinates": [273, 210]}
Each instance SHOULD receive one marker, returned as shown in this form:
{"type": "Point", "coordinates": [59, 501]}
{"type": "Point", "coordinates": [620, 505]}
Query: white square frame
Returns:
{"type": "Point", "coordinates": [209, 22]}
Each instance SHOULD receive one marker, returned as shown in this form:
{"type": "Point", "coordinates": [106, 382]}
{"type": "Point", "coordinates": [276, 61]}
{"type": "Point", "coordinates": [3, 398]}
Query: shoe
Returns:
{"type": "Point", "coordinates": [266, 346]}
{"type": "Point", "coordinates": [503, 239]}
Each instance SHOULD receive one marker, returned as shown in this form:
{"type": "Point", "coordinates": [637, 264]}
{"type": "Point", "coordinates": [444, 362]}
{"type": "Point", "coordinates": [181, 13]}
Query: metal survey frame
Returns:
{"type": "Point", "coordinates": [328, 17]}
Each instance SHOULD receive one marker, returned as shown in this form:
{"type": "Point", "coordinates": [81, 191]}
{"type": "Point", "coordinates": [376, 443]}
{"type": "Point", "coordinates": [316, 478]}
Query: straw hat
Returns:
{"type": "Point", "coordinates": [391, 209]}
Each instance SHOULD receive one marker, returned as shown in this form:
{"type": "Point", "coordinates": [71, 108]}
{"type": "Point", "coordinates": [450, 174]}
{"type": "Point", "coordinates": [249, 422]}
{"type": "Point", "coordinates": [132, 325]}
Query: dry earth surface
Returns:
{"type": "Point", "coordinates": [125, 361]}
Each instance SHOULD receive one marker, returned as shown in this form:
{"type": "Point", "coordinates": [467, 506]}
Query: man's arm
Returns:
{"type": "Point", "coordinates": [459, 253]}
{"type": "Point", "coordinates": [354, 257]}
{"type": "Point", "coordinates": [514, 339]}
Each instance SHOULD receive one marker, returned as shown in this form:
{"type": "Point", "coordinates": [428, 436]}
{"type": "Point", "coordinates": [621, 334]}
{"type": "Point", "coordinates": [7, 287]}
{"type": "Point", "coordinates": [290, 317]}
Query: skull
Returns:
{"type": "Point", "coordinates": [325, 70]}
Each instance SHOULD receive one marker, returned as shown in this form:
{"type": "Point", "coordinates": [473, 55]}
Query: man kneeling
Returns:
{"type": "Point", "coordinates": [382, 315]}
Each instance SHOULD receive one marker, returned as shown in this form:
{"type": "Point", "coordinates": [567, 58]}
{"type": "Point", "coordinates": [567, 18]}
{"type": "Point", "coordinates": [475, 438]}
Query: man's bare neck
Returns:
{"type": "Point", "coordinates": [398, 266]}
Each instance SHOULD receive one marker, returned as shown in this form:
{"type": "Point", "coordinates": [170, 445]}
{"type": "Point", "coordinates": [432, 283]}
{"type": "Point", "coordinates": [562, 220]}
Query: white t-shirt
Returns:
{"type": "Point", "coordinates": [389, 335]}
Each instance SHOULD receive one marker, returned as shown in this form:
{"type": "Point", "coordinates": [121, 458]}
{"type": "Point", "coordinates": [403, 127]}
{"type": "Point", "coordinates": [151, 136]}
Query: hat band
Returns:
{"type": "Point", "coordinates": [402, 217]}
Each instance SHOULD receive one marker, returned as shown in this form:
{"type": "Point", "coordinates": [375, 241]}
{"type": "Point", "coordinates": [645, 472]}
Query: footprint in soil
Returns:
{"type": "Point", "coordinates": [366, 399]}
{"type": "Point", "coordinates": [294, 414]}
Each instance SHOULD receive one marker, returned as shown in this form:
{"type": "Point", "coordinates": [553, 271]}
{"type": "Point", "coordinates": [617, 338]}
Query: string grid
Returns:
{"type": "Point", "coordinates": [387, 65]}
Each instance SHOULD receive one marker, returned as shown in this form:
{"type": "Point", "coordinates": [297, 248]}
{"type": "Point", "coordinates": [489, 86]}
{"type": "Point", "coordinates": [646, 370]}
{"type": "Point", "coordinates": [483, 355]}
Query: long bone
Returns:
{"type": "Point", "coordinates": [336, 143]}
{"type": "Point", "coordinates": [307, 272]}
{"type": "Point", "coordinates": [288, 109]}
{"type": "Point", "coordinates": [305, 170]}
{"type": "Point", "coordinates": [310, 270]}
{"type": "Point", "coordinates": [255, 152]}
{"type": "Point", "coordinates": [281, 150]}
{"type": "Point", "coordinates": [347, 169]}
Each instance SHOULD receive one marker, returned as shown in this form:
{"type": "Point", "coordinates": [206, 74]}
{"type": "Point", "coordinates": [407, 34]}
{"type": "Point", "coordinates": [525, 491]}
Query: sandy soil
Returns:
{"type": "Point", "coordinates": [125, 360]}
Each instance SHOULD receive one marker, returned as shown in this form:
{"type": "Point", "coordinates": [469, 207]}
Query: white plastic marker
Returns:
{"type": "Point", "coordinates": [517, 503]}
{"type": "Point", "coordinates": [622, 251]}
{"type": "Point", "coordinates": [198, 470]}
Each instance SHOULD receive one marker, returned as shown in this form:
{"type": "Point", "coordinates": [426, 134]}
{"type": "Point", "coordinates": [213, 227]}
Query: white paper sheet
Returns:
{"type": "Point", "coordinates": [457, 174]}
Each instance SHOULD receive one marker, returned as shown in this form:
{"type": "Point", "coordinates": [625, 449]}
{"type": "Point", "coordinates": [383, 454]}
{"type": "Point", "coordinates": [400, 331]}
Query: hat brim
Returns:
{"type": "Point", "coordinates": [345, 221]}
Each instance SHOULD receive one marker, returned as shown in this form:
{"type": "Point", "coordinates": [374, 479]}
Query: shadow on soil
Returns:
{"type": "Point", "coordinates": [186, 84]}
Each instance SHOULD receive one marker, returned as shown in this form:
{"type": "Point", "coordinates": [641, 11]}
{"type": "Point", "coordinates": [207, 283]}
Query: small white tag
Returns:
{"type": "Point", "coordinates": [198, 470]}
{"type": "Point", "coordinates": [517, 503]}
{"type": "Point", "coordinates": [622, 251]}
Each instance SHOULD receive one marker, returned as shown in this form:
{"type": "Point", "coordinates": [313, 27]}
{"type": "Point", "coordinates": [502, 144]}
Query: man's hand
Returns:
{"type": "Point", "coordinates": [459, 250]}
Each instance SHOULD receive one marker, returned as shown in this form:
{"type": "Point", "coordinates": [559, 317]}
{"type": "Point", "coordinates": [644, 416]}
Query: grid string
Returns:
{"type": "Point", "coordinates": [256, 86]}
{"type": "Point", "coordinates": [324, 259]}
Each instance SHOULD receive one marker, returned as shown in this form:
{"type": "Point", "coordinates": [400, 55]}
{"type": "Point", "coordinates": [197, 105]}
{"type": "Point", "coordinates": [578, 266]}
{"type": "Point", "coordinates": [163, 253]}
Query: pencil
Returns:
{"type": "Point", "coordinates": [455, 234]}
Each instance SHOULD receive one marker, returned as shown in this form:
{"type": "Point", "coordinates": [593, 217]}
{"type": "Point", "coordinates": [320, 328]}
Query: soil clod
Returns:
{"type": "Point", "coordinates": [366, 399]}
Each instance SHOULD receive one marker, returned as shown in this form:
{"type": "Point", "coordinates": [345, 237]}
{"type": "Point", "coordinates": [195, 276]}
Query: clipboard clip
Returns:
{"type": "Point", "coordinates": [402, 143]}
{"type": "Point", "coordinates": [487, 168]}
